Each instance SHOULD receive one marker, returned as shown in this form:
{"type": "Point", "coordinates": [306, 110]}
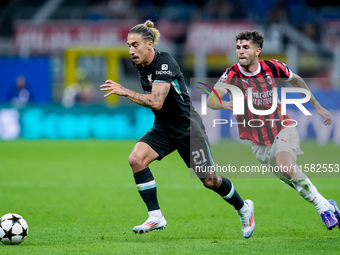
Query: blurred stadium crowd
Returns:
{"type": "Point", "coordinates": [302, 13]}
{"type": "Point", "coordinates": [57, 52]}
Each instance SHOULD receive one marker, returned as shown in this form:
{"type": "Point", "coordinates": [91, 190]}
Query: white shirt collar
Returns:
{"type": "Point", "coordinates": [257, 71]}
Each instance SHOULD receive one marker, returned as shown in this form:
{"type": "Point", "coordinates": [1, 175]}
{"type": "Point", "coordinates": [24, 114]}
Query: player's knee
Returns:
{"type": "Point", "coordinates": [209, 183]}
{"type": "Point", "coordinates": [135, 161]}
{"type": "Point", "coordinates": [285, 162]}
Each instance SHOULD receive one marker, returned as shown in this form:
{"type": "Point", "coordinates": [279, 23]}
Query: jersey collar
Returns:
{"type": "Point", "coordinates": [257, 71]}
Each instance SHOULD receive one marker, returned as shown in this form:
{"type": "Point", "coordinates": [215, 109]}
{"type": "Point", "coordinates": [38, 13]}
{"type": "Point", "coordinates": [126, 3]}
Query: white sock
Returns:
{"type": "Point", "coordinates": [308, 191]}
{"type": "Point", "coordinates": [243, 210]}
{"type": "Point", "coordinates": [156, 213]}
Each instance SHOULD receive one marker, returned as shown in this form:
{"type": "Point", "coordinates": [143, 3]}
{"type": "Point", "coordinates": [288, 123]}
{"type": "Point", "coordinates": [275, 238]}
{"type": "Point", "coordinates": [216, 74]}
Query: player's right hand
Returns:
{"type": "Point", "coordinates": [113, 87]}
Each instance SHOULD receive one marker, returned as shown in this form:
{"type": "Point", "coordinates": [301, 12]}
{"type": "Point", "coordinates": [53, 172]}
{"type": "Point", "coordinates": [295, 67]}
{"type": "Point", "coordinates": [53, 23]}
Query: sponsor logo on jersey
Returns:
{"type": "Point", "coordinates": [261, 98]}
{"type": "Point", "coordinates": [163, 72]}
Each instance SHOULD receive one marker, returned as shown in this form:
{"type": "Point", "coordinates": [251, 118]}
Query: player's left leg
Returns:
{"type": "Point", "coordinates": [286, 149]}
{"type": "Point", "coordinates": [198, 157]}
{"type": "Point", "coordinates": [303, 185]}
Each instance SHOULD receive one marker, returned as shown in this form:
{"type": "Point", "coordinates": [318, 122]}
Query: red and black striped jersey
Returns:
{"type": "Point", "coordinates": [260, 129]}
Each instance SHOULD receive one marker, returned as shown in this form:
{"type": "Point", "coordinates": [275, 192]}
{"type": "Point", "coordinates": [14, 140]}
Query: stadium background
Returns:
{"type": "Point", "coordinates": [52, 43]}
{"type": "Point", "coordinates": [68, 145]}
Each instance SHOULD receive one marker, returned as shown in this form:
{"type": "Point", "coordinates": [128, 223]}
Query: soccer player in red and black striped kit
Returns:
{"type": "Point", "coordinates": [177, 126]}
{"type": "Point", "coordinates": [275, 141]}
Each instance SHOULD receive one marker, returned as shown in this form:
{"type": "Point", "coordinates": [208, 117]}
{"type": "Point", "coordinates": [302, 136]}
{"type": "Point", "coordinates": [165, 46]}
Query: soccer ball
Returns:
{"type": "Point", "coordinates": [13, 229]}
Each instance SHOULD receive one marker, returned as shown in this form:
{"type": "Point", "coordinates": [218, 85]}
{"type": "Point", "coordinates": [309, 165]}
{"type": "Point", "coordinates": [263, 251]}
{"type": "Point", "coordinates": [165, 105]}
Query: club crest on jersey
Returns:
{"type": "Point", "coordinates": [150, 79]}
{"type": "Point", "coordinates": [269, 80]}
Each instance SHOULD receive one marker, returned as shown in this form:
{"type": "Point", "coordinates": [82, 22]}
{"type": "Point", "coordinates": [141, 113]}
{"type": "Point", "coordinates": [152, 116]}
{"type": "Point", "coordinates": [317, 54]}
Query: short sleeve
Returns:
{"type": "Point", "coordinates": [165, 72]}
{"type": "Point", "coordinates": [228, 77]}
{"type": "Point", "coordinates": [284, 73]}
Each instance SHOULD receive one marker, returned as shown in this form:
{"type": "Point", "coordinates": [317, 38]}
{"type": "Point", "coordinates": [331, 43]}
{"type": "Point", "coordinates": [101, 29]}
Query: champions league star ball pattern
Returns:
{"type": "Point", "coordinates": [13, 229]}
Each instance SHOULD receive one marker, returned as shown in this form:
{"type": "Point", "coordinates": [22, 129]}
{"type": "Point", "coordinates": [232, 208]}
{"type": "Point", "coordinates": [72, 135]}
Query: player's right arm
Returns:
{"type": "Point", "coordinates": [216, 105]}
{"type": "Point", "coordinates": [155, 100]}
{"type": "Point", "coordinates": [227, 78]}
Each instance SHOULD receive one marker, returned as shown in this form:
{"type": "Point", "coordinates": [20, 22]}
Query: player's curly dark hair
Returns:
{"type": "Point", "coordinates": [254, 36]}
{"type": "Point", "coordinates": [147, 30]}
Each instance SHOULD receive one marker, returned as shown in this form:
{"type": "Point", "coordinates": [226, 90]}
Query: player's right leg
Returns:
{"type": "Point", "coordinates": [196, 153]}
{"type": "Point", "coordinates": [153, 145]}
{"type": "Point", "coordinates": [142, 154]}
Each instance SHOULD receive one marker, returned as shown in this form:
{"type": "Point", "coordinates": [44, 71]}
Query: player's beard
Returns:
{"type": "Point", "coordinates": [249, 61]}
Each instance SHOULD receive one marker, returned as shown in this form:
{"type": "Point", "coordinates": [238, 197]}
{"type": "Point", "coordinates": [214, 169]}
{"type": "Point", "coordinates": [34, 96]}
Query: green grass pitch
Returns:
{"type": "Point", "coordinates": [79, 197]}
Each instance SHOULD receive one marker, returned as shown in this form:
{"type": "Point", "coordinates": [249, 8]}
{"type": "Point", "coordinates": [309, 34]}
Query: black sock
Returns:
{"type": "Point", "coordinates": [227, 191]}
{"type": "Point", "coordinates": [146, 186]}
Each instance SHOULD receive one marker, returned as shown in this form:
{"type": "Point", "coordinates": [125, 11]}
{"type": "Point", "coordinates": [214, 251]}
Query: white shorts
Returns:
{"type": "Point", "coordinates": [286, 140]}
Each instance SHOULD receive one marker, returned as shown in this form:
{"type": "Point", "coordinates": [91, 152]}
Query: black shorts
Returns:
{"type": "Point", "coordinates": [194, 149]}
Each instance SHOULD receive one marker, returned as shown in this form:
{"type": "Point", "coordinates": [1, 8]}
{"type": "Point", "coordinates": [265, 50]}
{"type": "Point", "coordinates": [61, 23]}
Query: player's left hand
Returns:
{"type": "Point", "coordinates": [326, 114]}
{"type": "Point", "coordinates": [113, 87]}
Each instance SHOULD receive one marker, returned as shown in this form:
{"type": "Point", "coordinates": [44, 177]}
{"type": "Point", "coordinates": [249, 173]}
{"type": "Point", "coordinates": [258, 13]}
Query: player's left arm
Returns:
{"type": "Point", "coordinates": [298, 82]}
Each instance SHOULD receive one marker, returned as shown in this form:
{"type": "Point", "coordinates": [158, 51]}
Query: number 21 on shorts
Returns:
{"type": "Point", "coordinates": [199, 157]}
